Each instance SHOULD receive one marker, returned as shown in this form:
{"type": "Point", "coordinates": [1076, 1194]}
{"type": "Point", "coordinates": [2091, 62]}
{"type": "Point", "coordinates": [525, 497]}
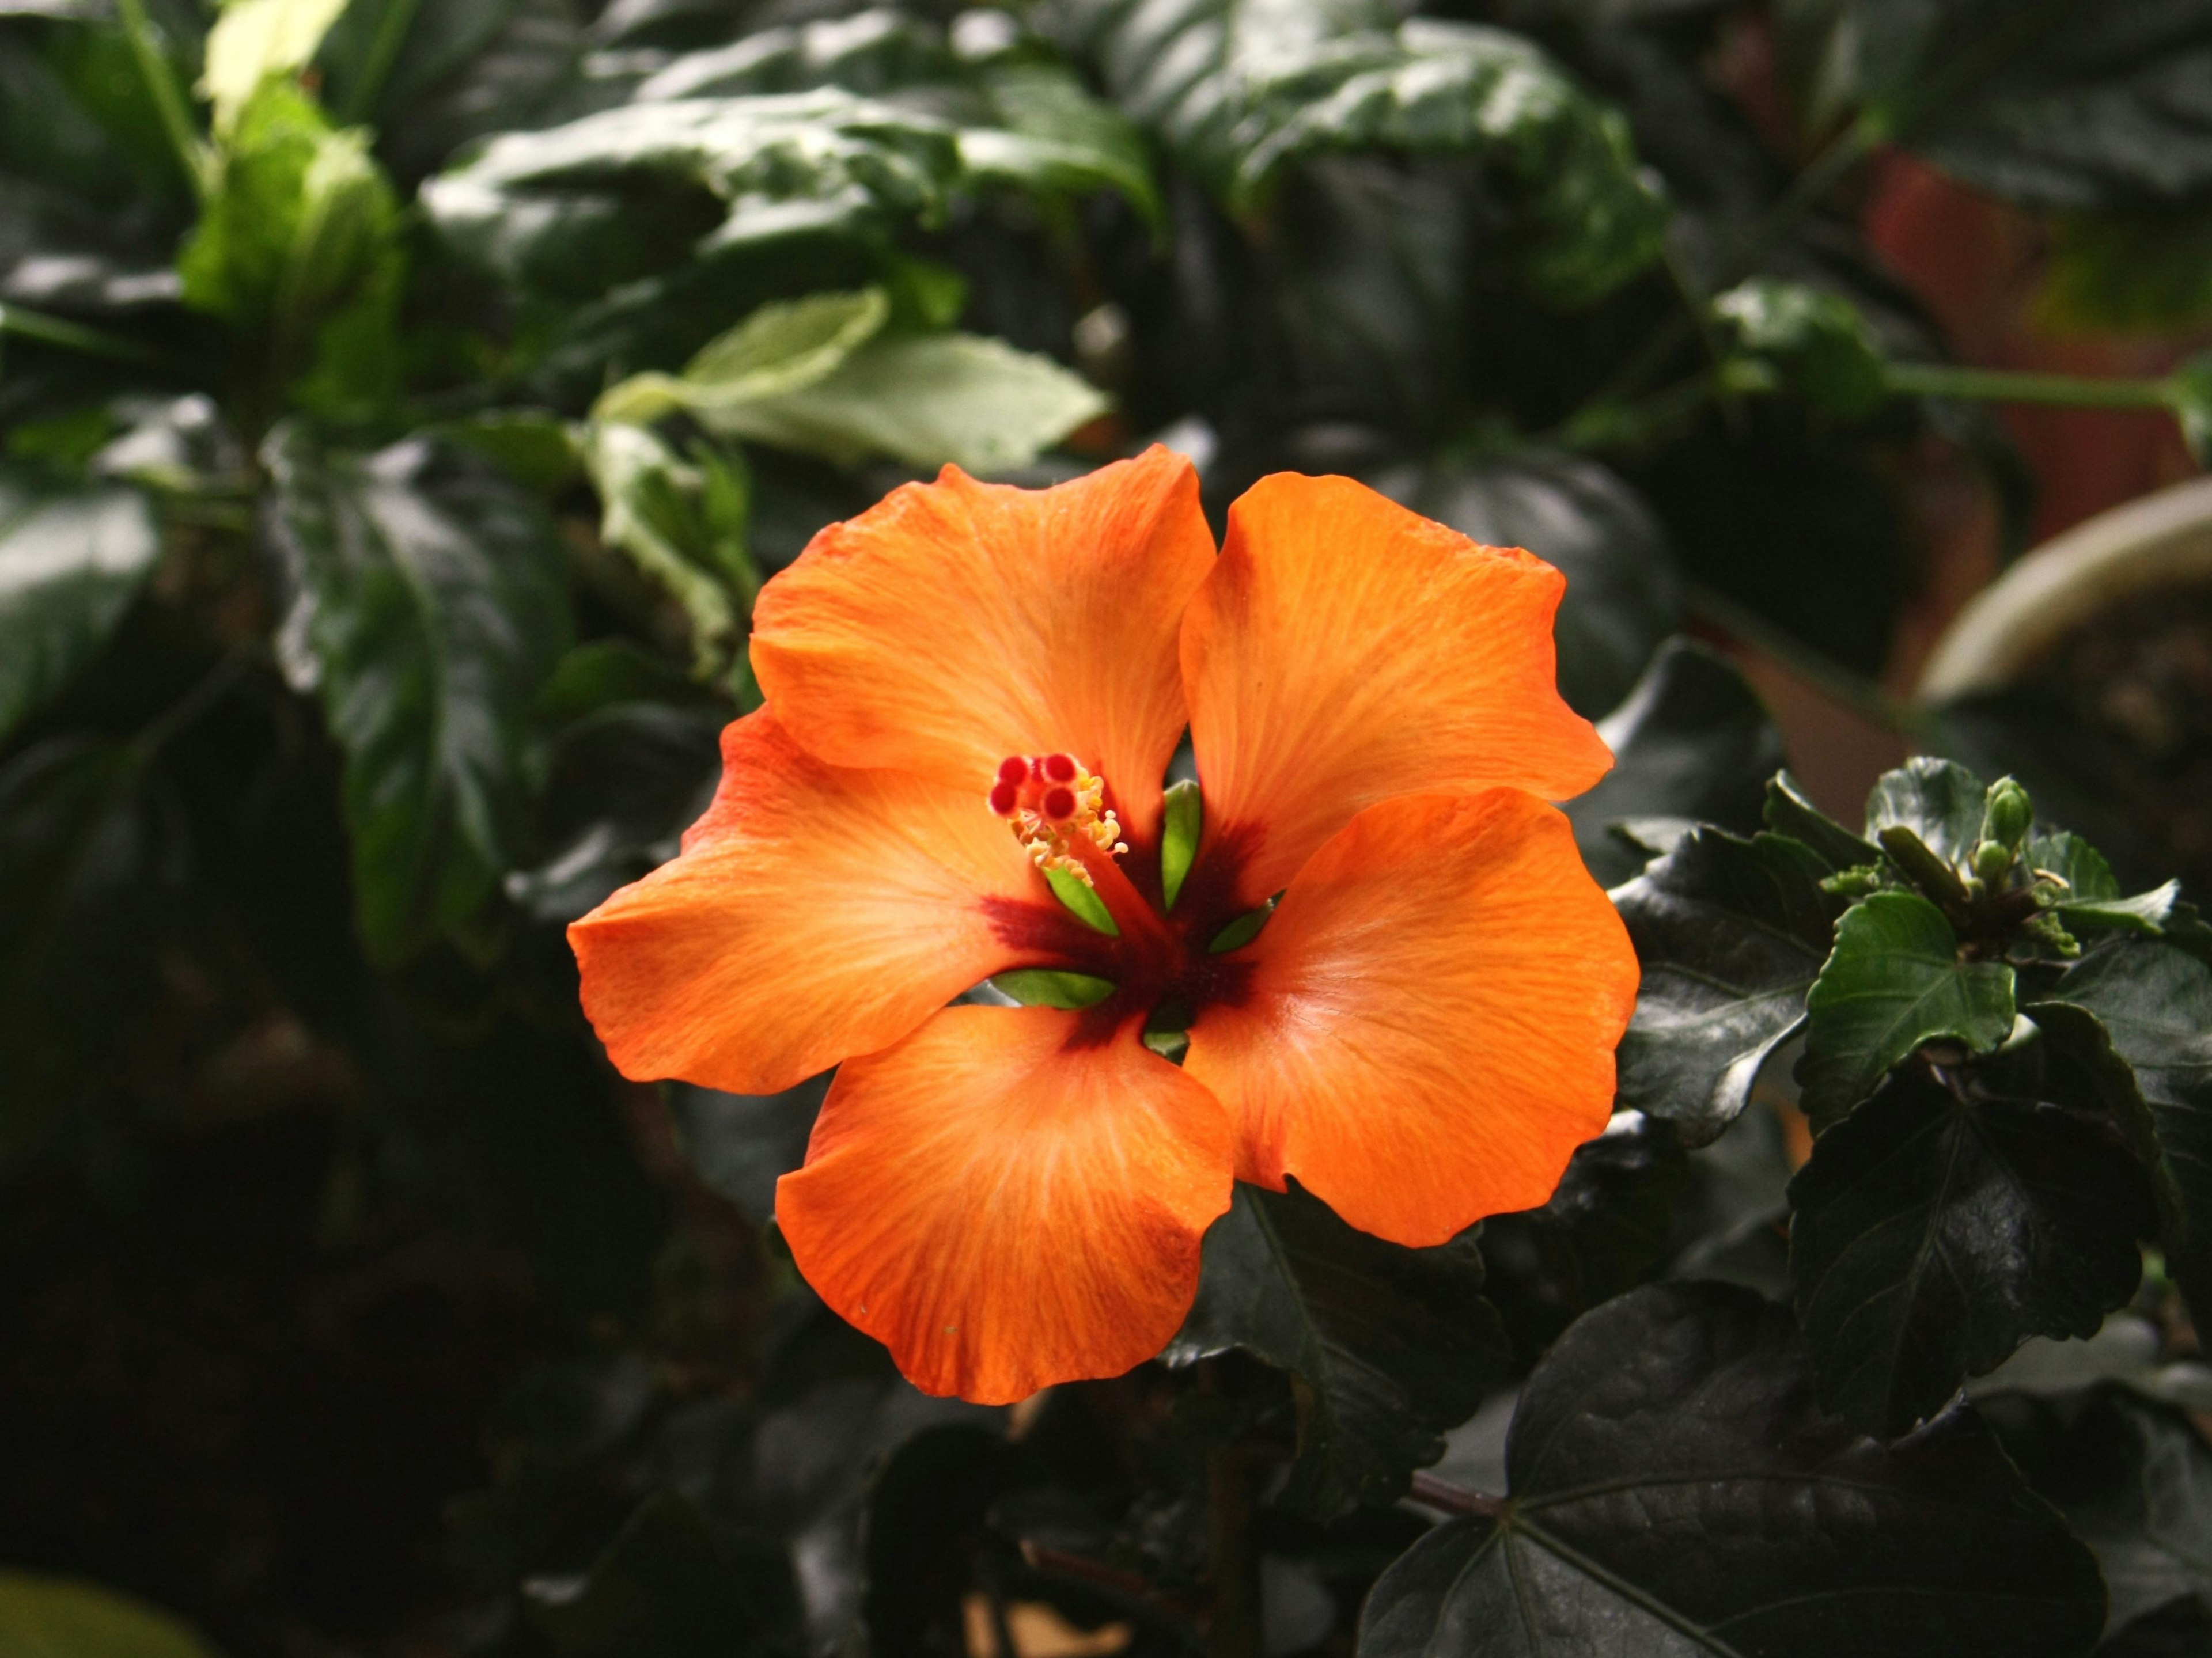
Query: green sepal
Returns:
{"type": "Point", "coordinates": [1170, 1045]}
{"type": "Point", "coordinates": [1045, 987]}
{"type": "Point", "coordinates": [1184, 817]}
{"type": "Point", "coordinates": [1083, 901]}
{"type": "Point", "coordinates": [1242, 931]}
{"type": "Point", "coordinates": [1924, 868]}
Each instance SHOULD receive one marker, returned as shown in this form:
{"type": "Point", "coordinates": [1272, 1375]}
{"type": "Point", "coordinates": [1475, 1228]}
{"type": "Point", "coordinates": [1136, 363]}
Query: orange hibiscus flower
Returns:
{"type": "Point", "coordinates": [971, 685]}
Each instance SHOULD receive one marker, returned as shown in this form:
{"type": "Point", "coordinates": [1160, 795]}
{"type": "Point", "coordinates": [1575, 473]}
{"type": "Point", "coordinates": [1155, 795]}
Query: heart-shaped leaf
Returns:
{"type": "Point", "coordinates": [1937, 1228]}
{"type": "Point", "coordinates": [1893, 981]}
{"type": "Point", "coordinates": [1676, 1491]}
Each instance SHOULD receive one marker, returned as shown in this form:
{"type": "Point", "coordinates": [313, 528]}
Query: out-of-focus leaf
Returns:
{"type": "Point", "coordinates": [625, 781]}
{"type": "Point", "coordinates": [427, 604]}
{"type": "Point", "coordinates": [70, 563]}
{"type": "Point", "coordinates": [536, 450]}
{"type": "Point", "coordinates": [742, 1143]}
{"type": "Point", "coordinates": [783, 347]}
{"type": "Point", "coordinates": [1692, 744]}
{"type": "Point", "coordinates": [2152, 999]}
{"type": "Point", "coordinates": [1238, 89]}
{"type": "Point", "coordinates": [1388, 1346]}
{"type": "Point", "coordinates": [1731, 933]}
{"type": "Point", "coordinates": [927, 400]}
{"type": "Point", "coordinates": [1623, 595]}
{"type": "Point", "coordinates": [682, 523]}
{"type": "Point", "coordinates": [673, 1584]}
{"type": "Point", "coordinates": [1814, 340]}
{"type": "Point", "coordinates": [2129, 273]}
{"type": "Point", "coordinates": [1054, 136]}
{"type": "Point", "coordinates": [628, 191]}
{"type": "Point", "coordinates": [79, 851]}
{"type": "Point", "coordinates": [297, 251]}
{"type": "Point", "coordinates": [44, 1617]}
{"type": "Point", "coordinates": [604, 673]}
{"type": "Point", "coordinates": [1893, 981]}
{"type": "Point", "coordinates": [1675, 1491]}
{"type": "Point", "coordinates": [253, 39]}
{"type": "Point", "coordinates": [1933, 1232]}
{"type": "Point", "coordinates": [1604, 1232]}
{"type": "Point", "coordinates": [430, 79]}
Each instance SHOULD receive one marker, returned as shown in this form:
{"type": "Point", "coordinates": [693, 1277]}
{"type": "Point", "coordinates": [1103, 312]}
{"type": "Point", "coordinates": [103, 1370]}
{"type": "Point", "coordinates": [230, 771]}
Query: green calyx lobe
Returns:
{"type": "Point", "coordinates": [1182, 819]}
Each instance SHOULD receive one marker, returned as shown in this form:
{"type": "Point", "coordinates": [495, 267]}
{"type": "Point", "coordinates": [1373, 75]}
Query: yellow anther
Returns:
{"type": "Point", "coordinates": [1050, 844]}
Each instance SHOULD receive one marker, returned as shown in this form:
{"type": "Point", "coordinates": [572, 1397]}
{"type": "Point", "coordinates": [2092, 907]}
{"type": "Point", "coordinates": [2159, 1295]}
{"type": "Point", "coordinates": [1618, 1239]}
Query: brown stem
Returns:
{"type": "Point", "coordinates": [1454, 1499]}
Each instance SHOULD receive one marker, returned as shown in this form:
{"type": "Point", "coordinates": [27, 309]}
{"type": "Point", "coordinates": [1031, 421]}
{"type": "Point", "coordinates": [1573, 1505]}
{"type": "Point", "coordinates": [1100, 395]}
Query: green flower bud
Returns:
{"type": "Point", "coordinates": [1992, 861]}
{"type": "Point", "coordinates": [2007, 814]}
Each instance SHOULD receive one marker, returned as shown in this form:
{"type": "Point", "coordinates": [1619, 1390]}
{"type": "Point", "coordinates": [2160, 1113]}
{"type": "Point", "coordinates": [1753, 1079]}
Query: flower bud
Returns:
{"type": "Point", "coordinates": [1992, 861]}
{"type": "Point", "coordinates": [2006, 815]}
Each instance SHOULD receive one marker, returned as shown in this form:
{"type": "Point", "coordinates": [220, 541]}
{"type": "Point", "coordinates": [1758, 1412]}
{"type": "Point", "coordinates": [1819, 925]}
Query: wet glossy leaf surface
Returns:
{"type": "Point", "coordinates": [1676, 1489]}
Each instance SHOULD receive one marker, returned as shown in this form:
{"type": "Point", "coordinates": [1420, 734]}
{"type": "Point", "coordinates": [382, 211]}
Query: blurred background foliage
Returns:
{"type": "Point", "coordinates": [401, 404]}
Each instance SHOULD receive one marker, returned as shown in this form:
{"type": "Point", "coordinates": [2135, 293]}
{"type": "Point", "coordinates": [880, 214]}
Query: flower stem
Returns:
{"type": "Point", "coordinates": [1940, 379]}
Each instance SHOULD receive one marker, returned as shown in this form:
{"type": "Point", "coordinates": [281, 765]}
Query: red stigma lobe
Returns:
{"type": "Point", "coordinates": [1057, 768]}
{"type": "Point", "coordinates": [1013, 772]}
{"type": "Point", "coordinates": [1004, 797]}
{"type": "Point", "coordinates": [1059, 804]}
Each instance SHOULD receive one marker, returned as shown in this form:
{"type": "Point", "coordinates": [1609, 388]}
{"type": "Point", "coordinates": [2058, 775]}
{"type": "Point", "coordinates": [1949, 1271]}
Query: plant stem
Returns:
{"type": "Point", "coordinates": [1854, 690]}
{"type": "Point", "coordinates": [1453, 1499]}
{"type": "Point", "coordinates": [168, 99]}
{"type": "Point", "coordinates": [1232, 1562]}
{"type": "Point", "coordinates": [383, 52]}
{"type": "Point", "coordinates": [1937, 380]}
{"type": "Point", "coordinates": [76, 336]}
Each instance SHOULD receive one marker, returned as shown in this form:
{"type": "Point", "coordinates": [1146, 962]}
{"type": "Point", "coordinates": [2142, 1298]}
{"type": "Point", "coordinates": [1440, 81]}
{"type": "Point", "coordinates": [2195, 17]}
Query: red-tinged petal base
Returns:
{"type": "Point", "coordinates": [816, 913]}
{"type": "Point", "coordinates": [1011, 1198]}
{"type": "Point", "coordinates": [1428, 1029]}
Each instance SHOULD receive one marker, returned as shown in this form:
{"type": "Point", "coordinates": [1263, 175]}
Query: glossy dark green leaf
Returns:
{"type": "Point", "coordinates": [2156, 1002]}
{"type": "Point", "coordinates": [70, 564]}
{"type": "Point", "coordinates": [1692, 744]}
{"type": "Point", "coordinates": [1939, 800]}
{"type": "Point", "coordinates": [1789, 810]}
{"type": "Point", "coordinates": [1731, 934]}
{"type": "Point", "coordinates": [2135, 1482]}
{"type": "Point", "coordinates": [427, 606]}
{"type": "Point", "coordinates": [1605, 1230]}
{"type": "Point", "coordinates": [1676, 1491]}
{"type": "Point", "coordinates": [634, 189]}
{"type": "Point", "coordinates": [1388, 1346]}
{"type": "Point", "coordinates": [1238, 91]}
{"type": "Point", "coordinates": [1814, 341]}
{"type": "Point", "coordinates": [1623, 595]}
{"type": "Point", "coordinates": [430, 79]}
{"type": "Point", "coordinates": [671, 1585]}
{"type": "Point", "coordinates": [1933, 1233]}
{"type": "Point", "coordinates": [1893, 981]}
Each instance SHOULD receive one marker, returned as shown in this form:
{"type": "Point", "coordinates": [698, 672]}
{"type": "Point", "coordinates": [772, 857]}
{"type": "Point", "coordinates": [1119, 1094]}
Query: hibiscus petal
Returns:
{"type": "Point", "coordinates": [1010, 1198]}
{"type": "Point", "coordinates": [1426, 1030]}
{"type": "Point", "coordinates": [1345, 650]}
{"type": "Point", "coordinates": [815, 912]}
{"type": "Point", "coordinates": [958, 623]}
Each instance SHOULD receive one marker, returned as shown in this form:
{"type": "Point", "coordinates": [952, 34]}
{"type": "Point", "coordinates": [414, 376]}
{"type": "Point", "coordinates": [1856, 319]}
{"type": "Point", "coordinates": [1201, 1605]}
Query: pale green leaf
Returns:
{"type": "Point", "coordinates": [976, 402]}
{"type": "Point", "coordinates": [778, 348]}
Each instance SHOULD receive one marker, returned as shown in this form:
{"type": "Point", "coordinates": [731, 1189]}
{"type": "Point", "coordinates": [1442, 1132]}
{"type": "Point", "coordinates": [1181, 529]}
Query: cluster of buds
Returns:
{"type": "Point", "coordinates": [1048, 800]}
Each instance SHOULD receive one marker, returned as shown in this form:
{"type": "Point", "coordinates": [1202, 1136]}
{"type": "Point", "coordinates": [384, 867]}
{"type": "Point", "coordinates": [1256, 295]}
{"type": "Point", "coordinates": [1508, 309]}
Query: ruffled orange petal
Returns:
{"type": "Point", "coordinates": [1345, 650]}
{"type": "Point", "coordinates": [1010, 1198]}
{"type": "Point", "coordinates": [1427, 1030]}
{"type": "Point", "coordinates": [957, 623]}
{"type": "Point", "coordinates": [815, 912]}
